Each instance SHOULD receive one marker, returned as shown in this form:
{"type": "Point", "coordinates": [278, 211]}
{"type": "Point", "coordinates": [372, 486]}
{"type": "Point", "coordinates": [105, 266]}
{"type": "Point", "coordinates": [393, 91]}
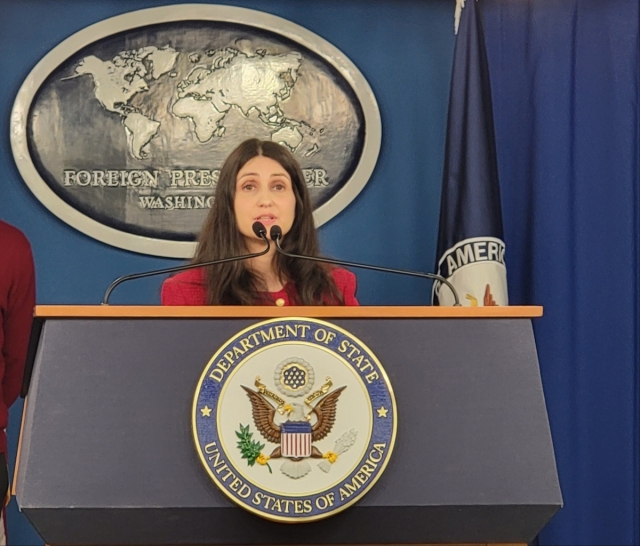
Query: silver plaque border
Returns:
{"type": "Point", "coordinates": [167, 14]}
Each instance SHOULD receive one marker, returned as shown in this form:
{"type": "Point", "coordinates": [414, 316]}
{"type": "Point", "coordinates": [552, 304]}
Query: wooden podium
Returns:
{"type": "Point", "coordinates": [106, 454]}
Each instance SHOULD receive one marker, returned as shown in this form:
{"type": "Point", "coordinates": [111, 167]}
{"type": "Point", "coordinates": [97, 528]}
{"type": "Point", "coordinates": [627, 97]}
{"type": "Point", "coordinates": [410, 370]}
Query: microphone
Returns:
{"type": "Point", "coordinates": [258, 229]}
{"type": "Point", "coordinates": [276, 234]}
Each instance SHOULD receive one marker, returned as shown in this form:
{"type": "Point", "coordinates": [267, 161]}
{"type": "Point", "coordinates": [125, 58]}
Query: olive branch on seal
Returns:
{"type": "Point", "coordinates": [250, 449]}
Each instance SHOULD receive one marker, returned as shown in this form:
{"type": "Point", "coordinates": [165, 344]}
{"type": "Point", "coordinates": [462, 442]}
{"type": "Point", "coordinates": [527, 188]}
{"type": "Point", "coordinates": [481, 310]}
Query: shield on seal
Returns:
{"type": "Point", "coordinates": [295, 439]}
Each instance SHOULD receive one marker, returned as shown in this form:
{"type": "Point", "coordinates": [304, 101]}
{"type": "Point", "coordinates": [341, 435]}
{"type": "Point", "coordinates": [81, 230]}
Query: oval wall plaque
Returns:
{"type": "Point", "coordinates": [121, 130]}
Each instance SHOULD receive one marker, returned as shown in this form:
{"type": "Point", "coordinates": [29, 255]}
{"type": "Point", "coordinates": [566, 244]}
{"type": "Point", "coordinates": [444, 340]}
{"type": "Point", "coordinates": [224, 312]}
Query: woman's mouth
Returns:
{"type": "Point", "coordinates": [266, 219]}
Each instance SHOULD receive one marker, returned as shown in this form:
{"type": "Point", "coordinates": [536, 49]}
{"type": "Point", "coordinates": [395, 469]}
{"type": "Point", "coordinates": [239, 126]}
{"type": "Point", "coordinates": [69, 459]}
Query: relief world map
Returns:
{"type": "Point", "coordinates": [230, 79]}
{"type": "Point", "coordinates": [133, 129]}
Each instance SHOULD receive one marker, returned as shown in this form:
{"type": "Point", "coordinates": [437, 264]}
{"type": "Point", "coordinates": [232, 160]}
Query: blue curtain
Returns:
{"type": "Point", "coordinates": [565, 82]}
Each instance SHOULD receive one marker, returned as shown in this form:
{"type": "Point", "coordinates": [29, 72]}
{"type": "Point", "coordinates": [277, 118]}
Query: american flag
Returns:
{"type": "Point", "coordinates": [295, 440]}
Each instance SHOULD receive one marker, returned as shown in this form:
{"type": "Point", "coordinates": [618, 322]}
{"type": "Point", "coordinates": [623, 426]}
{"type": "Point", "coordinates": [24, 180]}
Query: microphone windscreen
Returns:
{"type": "Point", "coordinates": [259, 229]}
{"type": "Point", "coordinates": [275, 233]}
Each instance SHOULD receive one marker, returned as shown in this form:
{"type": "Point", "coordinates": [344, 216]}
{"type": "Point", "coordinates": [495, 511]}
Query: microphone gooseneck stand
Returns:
{"type": "Point", "coordinates": [258, 229]}
{"type": "Point", "coordinates": [276, 235]}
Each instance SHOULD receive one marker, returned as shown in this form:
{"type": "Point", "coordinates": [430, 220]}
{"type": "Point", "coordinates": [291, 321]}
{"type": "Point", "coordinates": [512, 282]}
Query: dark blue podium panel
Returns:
{"type": "Point", "coordinates": [108, 457]}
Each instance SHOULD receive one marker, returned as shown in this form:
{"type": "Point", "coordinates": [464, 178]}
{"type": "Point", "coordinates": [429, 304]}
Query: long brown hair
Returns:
{"type": "Point", "coordinates": [234, 283]}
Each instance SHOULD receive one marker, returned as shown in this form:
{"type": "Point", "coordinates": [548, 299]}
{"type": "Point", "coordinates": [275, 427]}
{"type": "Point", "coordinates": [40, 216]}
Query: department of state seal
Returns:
{"type": "Point", "coordinates": [294, 419]}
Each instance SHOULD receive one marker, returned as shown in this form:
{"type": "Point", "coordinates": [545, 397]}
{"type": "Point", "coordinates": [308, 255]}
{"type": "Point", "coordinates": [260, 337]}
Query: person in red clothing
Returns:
{"type": "Point", "coordinates": [17, 299]}
{"type": "Point", "coordinates": [260, 181]}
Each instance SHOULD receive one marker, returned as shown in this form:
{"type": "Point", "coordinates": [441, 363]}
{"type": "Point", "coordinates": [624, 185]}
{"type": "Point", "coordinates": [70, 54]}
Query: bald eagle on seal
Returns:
{"type": "Point", "coordinates": [296, 435]}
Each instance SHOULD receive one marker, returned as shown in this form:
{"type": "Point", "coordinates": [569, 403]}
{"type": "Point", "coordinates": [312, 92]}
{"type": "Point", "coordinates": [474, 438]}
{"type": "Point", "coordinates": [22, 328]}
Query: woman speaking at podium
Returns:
{"type": "Point", "coordinates": [262, 182]}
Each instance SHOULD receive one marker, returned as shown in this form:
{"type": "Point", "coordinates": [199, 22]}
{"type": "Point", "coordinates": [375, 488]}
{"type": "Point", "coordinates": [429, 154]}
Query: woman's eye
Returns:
{"type": "Point", "coordinates": [249, 186]}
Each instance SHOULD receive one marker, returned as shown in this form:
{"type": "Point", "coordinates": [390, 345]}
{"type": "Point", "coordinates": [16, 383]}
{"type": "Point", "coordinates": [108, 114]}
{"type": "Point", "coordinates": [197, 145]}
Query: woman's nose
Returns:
{"type": "Point", "coordinates": [264, 197]}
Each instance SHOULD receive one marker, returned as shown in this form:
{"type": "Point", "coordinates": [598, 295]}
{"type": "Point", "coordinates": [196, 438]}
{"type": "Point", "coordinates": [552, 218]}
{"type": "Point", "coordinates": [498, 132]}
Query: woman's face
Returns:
{"type": "Point", "coordinates": [264, 193]}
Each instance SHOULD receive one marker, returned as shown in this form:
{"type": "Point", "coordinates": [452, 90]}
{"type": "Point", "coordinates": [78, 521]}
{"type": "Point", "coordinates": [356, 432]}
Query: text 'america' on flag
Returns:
{"type": "Point", "coordinates": [471, 249]}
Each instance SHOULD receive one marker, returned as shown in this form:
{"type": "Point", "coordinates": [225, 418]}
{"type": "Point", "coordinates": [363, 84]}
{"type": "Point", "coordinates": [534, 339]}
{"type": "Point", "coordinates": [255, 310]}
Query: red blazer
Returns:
{"type": "Point", "coordinates": [187, 288]}
{"type": "Point", "coordinates": [17, 298]}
